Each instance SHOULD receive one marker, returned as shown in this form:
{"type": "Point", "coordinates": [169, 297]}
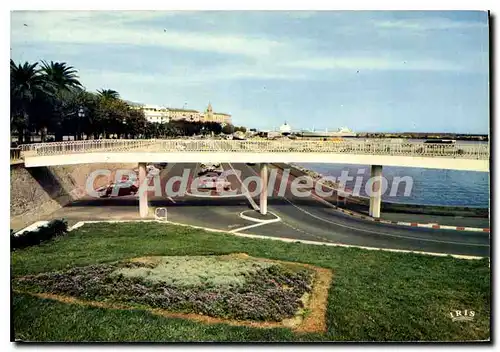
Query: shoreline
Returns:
{"type": "Point", "coordinates": [361, 202]}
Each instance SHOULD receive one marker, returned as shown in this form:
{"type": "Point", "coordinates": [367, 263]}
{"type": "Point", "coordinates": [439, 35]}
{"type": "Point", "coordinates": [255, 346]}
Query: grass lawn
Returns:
{"type": "Point", "coordinates": [375, 295]}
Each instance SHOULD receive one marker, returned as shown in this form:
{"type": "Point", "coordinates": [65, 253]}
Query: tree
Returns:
{"type": "Point", "coordinates": [228, 129]}
{"type": "Point", "coordinates": [108, 94]}
{"type": "Point", "coordinates": [70, 121]}
{"type": "Point", "coordinates": [135, 123]}
{"type": "Point", "coordinates": [29, 89]}
{"type": "Point", "coordinates": [112, 114]}
{"type": "Point", "coordinates": [63, 77]}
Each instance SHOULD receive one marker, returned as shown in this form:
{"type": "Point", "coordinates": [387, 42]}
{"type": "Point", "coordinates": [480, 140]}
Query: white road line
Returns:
{"type": "Point", "coordinates": [243, 216]}
{"type": "Point", "coordinates": [218, 196]}
{"type": "Point", "coordinates": [251, 226]}
{"type": "Point", "coordinates": [247, 192]}
{"type": "Point", "coordinates": [376, 232]}
{"type": "Point", "coordinates": [386, 234]}
{"type": "Point", "coordinates": [171, 199]}
{"type": "Point", "coordinates": [402, 223]}
{"type": "Point", "coordinates": [208, 195]}
{"type": "Point", "coordinates": [283, 239]}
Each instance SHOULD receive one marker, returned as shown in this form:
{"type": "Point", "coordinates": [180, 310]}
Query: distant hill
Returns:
{"type": "Point", "coordinates": [132, 103]}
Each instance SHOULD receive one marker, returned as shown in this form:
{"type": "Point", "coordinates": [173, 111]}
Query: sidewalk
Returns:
{"type": "Point", "coordinates": [422, 218]}
{"type": "Point", "coordinates": [400, 216]}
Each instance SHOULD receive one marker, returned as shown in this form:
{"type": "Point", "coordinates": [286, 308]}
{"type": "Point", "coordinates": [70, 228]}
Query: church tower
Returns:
{"type": "Point", "coordinates": [209, 115]}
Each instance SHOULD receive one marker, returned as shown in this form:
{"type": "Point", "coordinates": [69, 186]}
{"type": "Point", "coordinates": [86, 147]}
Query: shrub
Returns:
{"type": "Point", "coordinates": [45, 233]}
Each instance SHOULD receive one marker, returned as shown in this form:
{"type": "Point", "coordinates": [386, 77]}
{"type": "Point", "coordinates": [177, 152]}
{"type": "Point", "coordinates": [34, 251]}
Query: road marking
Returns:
{"type": "Point", "coordinates": [248, 227]}
{"type": "Point", "coordinates": [259, 222]}
{"type": "Point", "coordinates": [243, 216]}
{"type": "Point", "coordinates": [247, 192]}
{"type": "Point", "coordinates": [371, 231]}
{"type": "Point", "coordinates": [283, 239]}
{"type": "Point", "coordinates": [385, 234]}
{"type": "Point", "coordinates": [171, 199]}
{"type": "Point", "coordinates": [209, 194]}
{"type": "Point", "coordinates": [217, 196]}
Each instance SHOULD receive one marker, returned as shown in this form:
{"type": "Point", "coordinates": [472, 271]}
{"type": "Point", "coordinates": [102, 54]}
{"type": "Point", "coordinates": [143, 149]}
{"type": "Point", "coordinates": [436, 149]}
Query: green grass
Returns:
{"type": "Point", "coordinates": [375, 295]}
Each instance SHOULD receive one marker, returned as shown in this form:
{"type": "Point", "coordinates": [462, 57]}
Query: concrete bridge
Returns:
{"type": "Point", "coordinates": [467, 157]}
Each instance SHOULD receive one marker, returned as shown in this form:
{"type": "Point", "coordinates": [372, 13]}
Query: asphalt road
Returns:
{"type": "Point", "coordinates": [300, 218]}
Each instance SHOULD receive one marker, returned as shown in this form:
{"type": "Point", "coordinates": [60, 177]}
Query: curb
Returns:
{"type": "Point", "coordinates": [390, 222]}
{"type": "Point", "coordinates": [412, 224]}
{"type": "Point", "coordinates": [283, 239]}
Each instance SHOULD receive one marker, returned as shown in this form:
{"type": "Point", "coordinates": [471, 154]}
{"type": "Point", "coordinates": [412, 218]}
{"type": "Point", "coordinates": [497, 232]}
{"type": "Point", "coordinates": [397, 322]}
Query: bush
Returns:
{"type": "Point", "coordinates": [53, 229]}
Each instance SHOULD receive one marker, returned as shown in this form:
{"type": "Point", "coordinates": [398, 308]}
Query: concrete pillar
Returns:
{"type": "Point", "coordinates": [263, 188]}
{"type": "Point", "coordinates": [143, 196]}
{"type": "Point", "coordinates": [376, 191]}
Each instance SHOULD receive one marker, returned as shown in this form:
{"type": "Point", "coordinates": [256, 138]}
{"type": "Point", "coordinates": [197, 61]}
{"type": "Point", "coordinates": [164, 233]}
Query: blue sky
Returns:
{"type": "Point", "coordinates": [370, 71]}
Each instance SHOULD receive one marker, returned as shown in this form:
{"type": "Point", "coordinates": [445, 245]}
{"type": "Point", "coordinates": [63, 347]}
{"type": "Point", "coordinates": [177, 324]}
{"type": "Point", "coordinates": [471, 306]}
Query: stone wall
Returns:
{"type": "Point", "coordinates": [37, 192]}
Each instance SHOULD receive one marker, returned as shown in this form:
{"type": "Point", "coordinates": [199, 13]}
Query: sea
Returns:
{"type": "Point", "coordinates": [428, 186]}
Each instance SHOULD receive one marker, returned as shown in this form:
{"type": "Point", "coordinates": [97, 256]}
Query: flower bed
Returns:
{"type": "Point", "coordinates": [229, 287]}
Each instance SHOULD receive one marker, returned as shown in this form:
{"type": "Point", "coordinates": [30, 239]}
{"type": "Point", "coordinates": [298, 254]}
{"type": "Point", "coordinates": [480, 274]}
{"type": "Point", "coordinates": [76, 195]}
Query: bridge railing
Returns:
{"type": "Point", "coordinates": [472, 151]}
{"type": "Point", "coordinates": [85, 146]}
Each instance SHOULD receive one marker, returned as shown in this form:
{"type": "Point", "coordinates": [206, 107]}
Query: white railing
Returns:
{"type": "Point", "coordinates": [464, 151]}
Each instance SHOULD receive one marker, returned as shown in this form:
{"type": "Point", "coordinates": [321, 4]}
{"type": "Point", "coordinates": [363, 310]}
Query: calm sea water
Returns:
{"type": "Point", "coordinates": [430, 186]}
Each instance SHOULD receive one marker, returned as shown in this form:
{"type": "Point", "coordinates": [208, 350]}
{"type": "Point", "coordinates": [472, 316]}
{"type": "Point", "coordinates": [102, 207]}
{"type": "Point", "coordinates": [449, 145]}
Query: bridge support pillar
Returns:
{"type": "Point", "coordinates": [263, 188]}
{"type": "Point", "coordinates": [143, 195]}
{"type": "Point", "coordinates": [376, 191]}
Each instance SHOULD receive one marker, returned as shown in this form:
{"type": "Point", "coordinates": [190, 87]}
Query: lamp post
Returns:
{"type": "Point", "coordinates": [81, 115]}
{"type": "Point", "coordinates": [124, 128]}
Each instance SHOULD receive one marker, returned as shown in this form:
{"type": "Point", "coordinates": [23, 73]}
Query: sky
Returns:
{"type": "Point", "coordinates": [372, 71]}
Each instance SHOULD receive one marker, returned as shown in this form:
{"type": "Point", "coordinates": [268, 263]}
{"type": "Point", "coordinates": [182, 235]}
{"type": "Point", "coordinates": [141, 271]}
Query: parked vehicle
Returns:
{"type": "Point", "coordinates": [123, 188]}
{"type": "Point", "coordinates": [152, 170]}
{"type": "Point", "coordinates": [213, 180]}
{"type": "Point", "coordinates": [205, 168]}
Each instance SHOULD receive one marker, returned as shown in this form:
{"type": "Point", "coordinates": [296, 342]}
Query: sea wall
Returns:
{"type": "Point", "coordinates": [390, 207]}
{"type": "Point", "coordinates": [39, 191]}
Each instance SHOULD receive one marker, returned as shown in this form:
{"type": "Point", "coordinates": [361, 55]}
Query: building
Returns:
{"type": "Point", "coordinates": [341, 132]}
{"type": "Point", "coordinates": [154, 113]}
{"type": "Point", "coordinates": [161, 114]}
{"type": "Point", "coordinates": [210, 116]}
{"type": "Point", "coordinates": [285, 129]}
{"type": "Point", "coordinates": [183, 114]}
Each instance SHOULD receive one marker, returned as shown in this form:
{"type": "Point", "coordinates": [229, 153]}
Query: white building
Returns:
{"type": "Point", "coordinates": [162, 114]}
{"type": "Point", "coordinates": [155, 113]}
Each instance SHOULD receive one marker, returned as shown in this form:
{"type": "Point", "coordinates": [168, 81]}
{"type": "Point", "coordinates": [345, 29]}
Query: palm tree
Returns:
{"type": "Point", "coordinates": [108, 94]}
{"type": "Point", "coordinates": [28, 87]}
{"type": "Point", "coordinates": [64, 77]}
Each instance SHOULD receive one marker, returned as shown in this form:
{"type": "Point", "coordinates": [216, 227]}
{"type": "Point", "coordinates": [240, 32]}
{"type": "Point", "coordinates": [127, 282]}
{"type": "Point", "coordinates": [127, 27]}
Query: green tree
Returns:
{"type": "Point", "coordinates": [228, 129]}
{"type": "Point", "coordinates": [30, 91]}
{"type": "Point", "coordinates": [135, 123]}
{"type": "Point", "coordinates": [240, 129]}
{"type": "Point", "coordinates": [112, 114]}
{"type": "Point", "coordinates": [108, 94]}
{"type": "Point", "coordinates": [63, 77]}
